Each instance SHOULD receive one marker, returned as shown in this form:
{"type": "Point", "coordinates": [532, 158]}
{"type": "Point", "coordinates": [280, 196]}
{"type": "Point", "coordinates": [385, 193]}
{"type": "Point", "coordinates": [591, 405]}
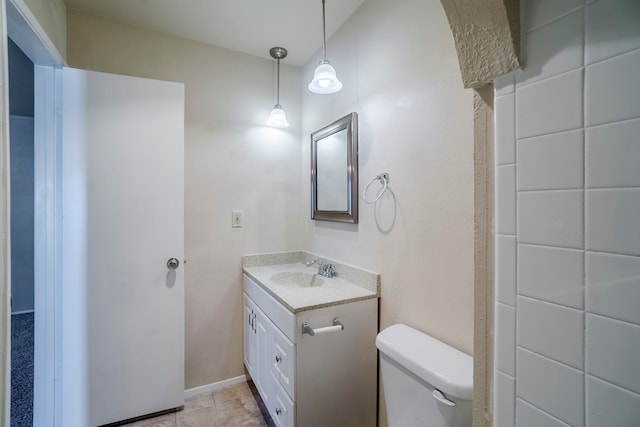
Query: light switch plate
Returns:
{"type": "Point", "coordinates": [236, 219]}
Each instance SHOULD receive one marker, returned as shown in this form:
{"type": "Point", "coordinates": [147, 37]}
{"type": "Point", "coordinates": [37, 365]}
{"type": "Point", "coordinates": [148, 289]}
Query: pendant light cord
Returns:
{"type": "Point", "coordinates": [324, 35]}
{"type": "Point", "coordinates": [278, 85]}
{"type": "Point", "coordinates": [324, 79]}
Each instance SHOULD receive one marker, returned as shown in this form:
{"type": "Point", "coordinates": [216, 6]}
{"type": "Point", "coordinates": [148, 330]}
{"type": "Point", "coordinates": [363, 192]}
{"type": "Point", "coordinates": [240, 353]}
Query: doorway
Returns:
{"type": "Point", "coordinates": [21, 131]}
{"type": "Point", "coordinates": [35, 403]}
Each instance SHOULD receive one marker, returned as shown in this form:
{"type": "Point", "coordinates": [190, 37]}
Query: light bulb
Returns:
{"type": "Point", "coordinates": [324, 79]}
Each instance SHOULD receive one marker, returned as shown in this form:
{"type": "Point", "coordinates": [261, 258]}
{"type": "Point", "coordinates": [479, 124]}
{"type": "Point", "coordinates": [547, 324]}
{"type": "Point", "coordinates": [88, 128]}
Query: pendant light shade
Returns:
{"type": "Point", "coordinates": [278, 118]}
{"type": "Point", "coordinates": [325, 80]}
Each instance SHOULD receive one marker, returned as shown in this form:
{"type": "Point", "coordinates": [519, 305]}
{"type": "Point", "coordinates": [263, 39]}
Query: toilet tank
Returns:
{"type": "Point", "coordinates": [426, 382]}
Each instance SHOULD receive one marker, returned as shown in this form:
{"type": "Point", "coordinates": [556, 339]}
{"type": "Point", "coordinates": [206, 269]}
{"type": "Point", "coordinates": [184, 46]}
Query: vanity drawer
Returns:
{"type": "Point", "coordinates": [283, 361]}
{"type": "Point", "coordinates": [283, 409]}
{"type": "Point", "coordinates": [276, 312]}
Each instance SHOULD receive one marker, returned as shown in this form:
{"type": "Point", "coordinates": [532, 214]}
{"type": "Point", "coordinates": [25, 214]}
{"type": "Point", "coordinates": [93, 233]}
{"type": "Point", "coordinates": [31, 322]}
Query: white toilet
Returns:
{"type": "Point", "coordinates": [426, 382]}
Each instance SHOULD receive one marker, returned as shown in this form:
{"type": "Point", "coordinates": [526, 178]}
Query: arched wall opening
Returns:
{"type": "Point", "coordinates": [487, 39]}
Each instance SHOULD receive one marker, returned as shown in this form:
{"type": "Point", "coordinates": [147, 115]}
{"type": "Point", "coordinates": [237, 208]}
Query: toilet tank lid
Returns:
{"type": "Point", "coordinates": [445, 368]}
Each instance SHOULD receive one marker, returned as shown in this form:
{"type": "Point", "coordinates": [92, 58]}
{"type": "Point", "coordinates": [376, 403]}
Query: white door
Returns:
{"type": "Point", "coordinates": [122, 204]}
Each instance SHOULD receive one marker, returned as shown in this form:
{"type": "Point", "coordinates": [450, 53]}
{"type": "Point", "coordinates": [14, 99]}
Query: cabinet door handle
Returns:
{"type": "Point", "coordinates": [278, 359]}
{"type": "Point", "coordinates": [278, 411]}
{"type": "Point", "coordinates": [254, 322]}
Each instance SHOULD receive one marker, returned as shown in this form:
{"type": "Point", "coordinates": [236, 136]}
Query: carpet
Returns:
{"type": "Point", "coordinates": [22, 370]}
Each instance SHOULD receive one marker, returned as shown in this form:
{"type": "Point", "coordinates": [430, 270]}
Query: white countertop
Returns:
{"type": "Point", "coordinates": [332, 291]}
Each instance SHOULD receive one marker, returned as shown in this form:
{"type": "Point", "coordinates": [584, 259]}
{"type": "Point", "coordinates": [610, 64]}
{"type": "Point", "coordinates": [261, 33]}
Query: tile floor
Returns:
{"type": "Point", "coordinates": [235, 405]}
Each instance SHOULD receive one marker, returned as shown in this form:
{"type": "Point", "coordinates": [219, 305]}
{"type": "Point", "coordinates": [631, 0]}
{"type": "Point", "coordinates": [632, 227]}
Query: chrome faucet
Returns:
{"type": "Point", "coordinates": [325, 269]}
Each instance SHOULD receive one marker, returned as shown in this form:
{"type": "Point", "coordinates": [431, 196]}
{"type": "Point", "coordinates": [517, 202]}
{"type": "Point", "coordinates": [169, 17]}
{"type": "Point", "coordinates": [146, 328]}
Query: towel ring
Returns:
{"type": "Point", "coordinates": [384, 179]}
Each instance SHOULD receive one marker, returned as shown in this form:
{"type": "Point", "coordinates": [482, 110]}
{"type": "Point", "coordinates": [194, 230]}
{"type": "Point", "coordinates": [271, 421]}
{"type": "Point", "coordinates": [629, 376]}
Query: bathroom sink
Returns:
{"type": "Point", "coordinates": [303, 280]}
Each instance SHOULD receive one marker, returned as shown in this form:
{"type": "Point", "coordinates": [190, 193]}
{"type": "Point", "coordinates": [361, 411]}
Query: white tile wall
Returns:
{"type": "Point", "coordinates": [537, 13]}
{"type": "Point", "coordinates": [613, 286]}
{"type": "Point", "coordinates": [506, 199]}
{"type": "Point", "coordinates": [505, 387]}
{"type": "Point", "coordinates": [551, 161]}
{"type": "Point", "coordinates": [613, 220]}
{"type": "Point", "coordinates": [504, 85]}
{"type": "Point", "coordinates": [612, 90]}
{"type": "Point", "coordinates": [505, 338]}
{"type": "Point", "coordinates": [528, 415]}
{"type": "Point", "coordinates": [551, 274]}
{"type": "Point", "coordinates": [563, 339]}
{"type": "Point", "coordinates": [613, 351]}
{"type": "Point", "coordinates": [612, 153]}
{"type": "Point", "coordinates": [612, 28]}
{"type": "Point", "coordinates": [551, 218]}
{"type": "Point", "coordinates": [551, 386]}
{"type": "Point", "coordinates": [575, 222]}
{"type": "Point", "coordinates": [554, 49]}
{"type": "Point", "coordinates": [609, 405]}
{"type": "Point", "coordinates": [505, 108]}
{"type": "Point", "coordinates": [506, 269]}
{"type": "Point", "coordinates": [552, 105]}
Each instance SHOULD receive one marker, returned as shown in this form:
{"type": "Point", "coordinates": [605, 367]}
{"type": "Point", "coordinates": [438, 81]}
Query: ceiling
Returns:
{"type": "Point", "coordinates": [249, 26]}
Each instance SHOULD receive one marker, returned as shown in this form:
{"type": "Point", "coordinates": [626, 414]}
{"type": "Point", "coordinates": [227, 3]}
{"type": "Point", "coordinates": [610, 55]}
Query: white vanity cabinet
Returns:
{"type": "Point", "coordinates": [257, 330]}
{"type": "Point", "coordinates": [329, 379]}
{"type": "Point", "coordinates": [250, 337]}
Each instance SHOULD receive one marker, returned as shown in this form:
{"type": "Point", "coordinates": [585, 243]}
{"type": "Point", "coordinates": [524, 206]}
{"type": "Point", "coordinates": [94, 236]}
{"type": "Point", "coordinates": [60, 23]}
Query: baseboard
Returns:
{"type": "Point", "coordinates": [214, 386]}
{"type": "Point", "coordinates": [22, 312]}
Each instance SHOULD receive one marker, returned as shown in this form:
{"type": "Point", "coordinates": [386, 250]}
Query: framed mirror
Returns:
{"type": "Point", "coordinates": [334, 171]}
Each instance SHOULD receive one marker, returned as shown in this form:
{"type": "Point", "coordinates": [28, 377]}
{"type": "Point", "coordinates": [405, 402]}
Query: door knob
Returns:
{"type": "Point", "coordinates": [173, 263]}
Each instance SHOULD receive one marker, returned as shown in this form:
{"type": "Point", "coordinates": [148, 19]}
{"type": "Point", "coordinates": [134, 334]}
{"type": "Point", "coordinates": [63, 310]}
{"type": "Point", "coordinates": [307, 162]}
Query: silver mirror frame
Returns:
{"type": "Point", "coordinates": [350, 123]}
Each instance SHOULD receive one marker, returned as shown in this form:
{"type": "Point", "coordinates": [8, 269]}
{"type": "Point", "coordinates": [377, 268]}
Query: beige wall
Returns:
{"type": "Point", "coordinates": [232, 162]}
{"type": "Point", "coordinates": [415, 123]}
{"type": "Point", "coordinates": [52, 15]}
{"type": "Point", "coordinates": [398, 64]}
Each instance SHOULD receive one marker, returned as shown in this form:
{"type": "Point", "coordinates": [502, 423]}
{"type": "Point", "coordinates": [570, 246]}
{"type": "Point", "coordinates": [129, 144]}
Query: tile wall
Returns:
{"type": "Point", "coordinates": [567, 330]}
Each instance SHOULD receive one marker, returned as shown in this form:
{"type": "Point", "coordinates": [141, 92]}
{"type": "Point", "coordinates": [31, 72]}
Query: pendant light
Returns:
{"type": "Point", "coordinates": [324, 80]}
{"type": "Point", "coordinates": [277, 118]}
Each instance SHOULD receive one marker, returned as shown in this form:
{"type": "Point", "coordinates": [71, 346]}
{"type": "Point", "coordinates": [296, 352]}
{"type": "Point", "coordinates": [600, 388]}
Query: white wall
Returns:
{"type": "Point", "coordinates": [399, 67]}
{"type": "Point", "coordinates": [232, 162]}
{"type": "Point", "coordinates": [568, 219]}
